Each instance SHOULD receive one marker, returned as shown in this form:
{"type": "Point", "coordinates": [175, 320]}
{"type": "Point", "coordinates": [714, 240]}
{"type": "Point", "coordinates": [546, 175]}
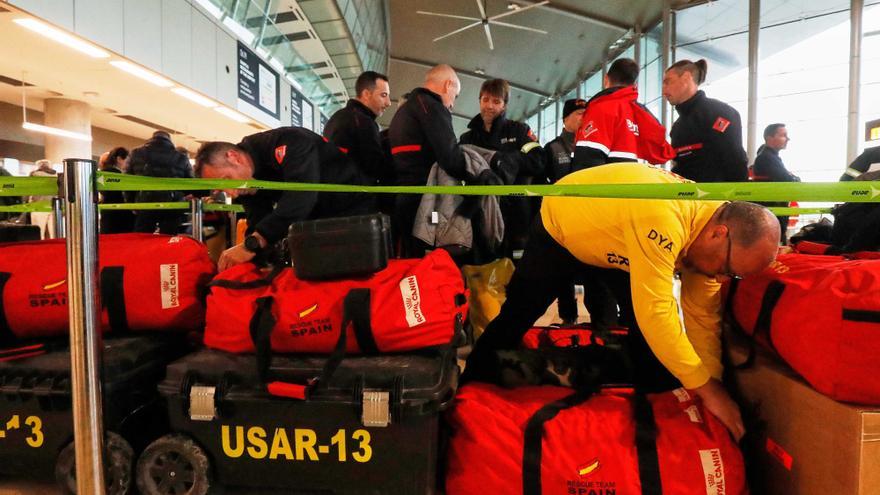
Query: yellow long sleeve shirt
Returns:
{"type": "Point", "coordinates": [648, 238]}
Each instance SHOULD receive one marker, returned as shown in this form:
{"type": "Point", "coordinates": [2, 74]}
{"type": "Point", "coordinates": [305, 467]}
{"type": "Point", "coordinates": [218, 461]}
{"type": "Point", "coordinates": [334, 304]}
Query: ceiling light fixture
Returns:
{"type": "Point", "coordinates": [56, 131]}
{"type": "Point", "coordinates": [232, 114]}
{"type": "Point", "coordinates": [142, 73]}
{"type": "Point", "coordinates": [195, 97]}
{"type": "Point", "coordinates": [60, 36]}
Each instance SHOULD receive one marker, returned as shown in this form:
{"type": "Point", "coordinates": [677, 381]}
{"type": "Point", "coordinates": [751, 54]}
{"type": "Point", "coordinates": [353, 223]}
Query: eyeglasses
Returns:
{"type": "Point", "coordinates": [728, 272]}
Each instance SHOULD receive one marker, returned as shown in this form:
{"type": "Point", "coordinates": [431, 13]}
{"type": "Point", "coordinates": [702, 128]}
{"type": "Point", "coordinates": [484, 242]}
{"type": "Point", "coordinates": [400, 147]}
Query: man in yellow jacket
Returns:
{"type": "Point", "coordinates": [639, 246]}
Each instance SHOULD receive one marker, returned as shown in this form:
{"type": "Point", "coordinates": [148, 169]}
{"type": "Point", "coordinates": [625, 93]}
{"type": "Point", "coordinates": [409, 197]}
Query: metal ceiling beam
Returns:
{"type": "Point", "coordinates": [581, 16]}
{"type": "Point", "coordinates": [473, 75]}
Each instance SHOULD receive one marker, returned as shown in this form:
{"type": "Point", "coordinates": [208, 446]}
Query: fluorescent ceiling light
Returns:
{"type": "Point", "coordinates": [232, 114]}
{"type": "Point", "coordinates": [62, 37]}
{"type": "Point", "coordinates": [193, 96]}
{"type": "Point", "coordinates": [210, 7]}
{"type": "Point", "coordinates": [239, 30]}
{"type": "Point", "coordinates": [56, 132]}
{"type": "Point", "coordinates": [142, 73]}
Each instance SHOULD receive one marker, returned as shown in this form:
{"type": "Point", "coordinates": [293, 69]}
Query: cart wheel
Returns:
{"type": "Point", "coordinates": [173, 465]}
{"type": "Point", "coordinates": [118, 458]}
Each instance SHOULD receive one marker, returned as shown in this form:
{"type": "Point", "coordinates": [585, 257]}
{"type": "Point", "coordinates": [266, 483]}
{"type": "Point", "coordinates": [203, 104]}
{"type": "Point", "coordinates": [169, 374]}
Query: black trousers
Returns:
{"type": "Point", "coordinates": [545, 267]}
{"type": "Point", "coordinates": [146, 221]}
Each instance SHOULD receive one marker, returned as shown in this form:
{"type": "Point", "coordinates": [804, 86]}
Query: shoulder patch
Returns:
{"type": "Point", "coordinates": [721, 124]}
{"type": "Point", "coordinates": [280, 152]}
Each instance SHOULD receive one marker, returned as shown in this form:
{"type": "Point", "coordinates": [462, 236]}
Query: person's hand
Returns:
{"type": "Point", "coordinates": [235, 255]}
{"type": "Point", "coordinates": [718, 402]}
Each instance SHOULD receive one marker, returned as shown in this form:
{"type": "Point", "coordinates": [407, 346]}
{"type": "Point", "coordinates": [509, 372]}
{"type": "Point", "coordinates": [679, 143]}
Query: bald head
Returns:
{"type": "Point", "coordinates": [443, 81]}
{"type": "Point", "coordinates": [741, 239]}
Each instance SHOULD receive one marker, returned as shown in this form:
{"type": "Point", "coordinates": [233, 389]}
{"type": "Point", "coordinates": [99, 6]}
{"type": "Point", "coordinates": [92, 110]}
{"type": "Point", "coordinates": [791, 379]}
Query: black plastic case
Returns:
{"type": "Point", "coordinates": [320, 445]}
{"type": "Point", "coordinates": [340, 247]}
{"type": "Point", "coordinates": [36, 421]}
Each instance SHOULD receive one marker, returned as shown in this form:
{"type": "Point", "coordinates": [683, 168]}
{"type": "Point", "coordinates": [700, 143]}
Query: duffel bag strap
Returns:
{"type": "Point", "coordinates": [646, 446]}
{"type": "Point", "coordinates": [356, 311]}
{"type": "Point", "coordinates": [113, 297]}
{"type": "Point", "coordinates": [253, 284]}
{"type": "Point", "coordinates": [646, 443]}
{"type": "Point", "coordinates": [534, 435]}
{"type": "Point", "coordinates": [769, 300]}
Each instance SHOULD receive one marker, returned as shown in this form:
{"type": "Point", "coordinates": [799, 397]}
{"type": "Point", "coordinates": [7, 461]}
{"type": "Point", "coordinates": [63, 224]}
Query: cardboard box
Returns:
{"type": "Point", "coordinates": [809, 444]}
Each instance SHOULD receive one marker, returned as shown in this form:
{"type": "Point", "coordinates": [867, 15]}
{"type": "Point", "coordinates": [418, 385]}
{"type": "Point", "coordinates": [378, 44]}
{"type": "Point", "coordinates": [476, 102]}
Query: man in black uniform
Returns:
{"type": "Point", "coordinates": [421, 135]}
{"type": "Point", "coordinates": [863, 163]}
{"type": "Point", "coordinates": [159, 158]}
{"type": "Point", "coordinates": [768, 167]}
{"type": "Point", "coordinates": [519, 158]}
{"type": "Point", "coordinates": [288, 154]}
{"type": "Point", "coordinates": [558, 155]}
{"type": "Point", "coordinates": [354, 130]}
{"type": "Point", "coordinates": [559, 151]}
{"type": "Point", "coordinates": [707, 136]}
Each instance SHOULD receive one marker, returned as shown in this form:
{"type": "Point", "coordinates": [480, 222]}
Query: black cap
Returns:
{"type": "Point", "coordinates": [572, 105]}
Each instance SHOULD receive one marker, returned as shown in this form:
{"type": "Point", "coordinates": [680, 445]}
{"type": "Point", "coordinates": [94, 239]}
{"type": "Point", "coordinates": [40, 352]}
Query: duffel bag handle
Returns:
{"type": "Point", "coordinates": [356, 311]}
{"type": "Point", "coordinates": [253, 284]}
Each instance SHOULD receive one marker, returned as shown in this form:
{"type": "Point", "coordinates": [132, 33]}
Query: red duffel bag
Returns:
{"type": "Point", "coordinates": [411, 304]}
{"type": "Point", "coordinates": [546, 440]}
{"type": "Point", "coordinates": [148, 282]}
{"type": "Point", "coordinates": [821, 314]}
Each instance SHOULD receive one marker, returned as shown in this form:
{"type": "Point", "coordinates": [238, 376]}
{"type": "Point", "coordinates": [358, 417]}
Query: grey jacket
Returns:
{"type": "Point", "coordinates": [438, 220]}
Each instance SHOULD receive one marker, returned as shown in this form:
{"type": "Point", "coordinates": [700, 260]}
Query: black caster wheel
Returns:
{"type": "Point", "coordinates": [173, 465]}
{"type": "Point", "coordinates": [118, 462]}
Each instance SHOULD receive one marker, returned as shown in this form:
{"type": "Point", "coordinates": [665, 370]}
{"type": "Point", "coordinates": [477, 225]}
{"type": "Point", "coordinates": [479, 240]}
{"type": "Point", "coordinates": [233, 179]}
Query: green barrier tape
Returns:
{"type": "Point", "coordinates": [46, 206]}
{"type": "Point", "coordinates": [180, 205]}
{"type": "Point", "coordinates": [28, 186]}
{"type": "Point", "coordinates": [853, 191]}
{"type": "Point", "coordinates": [36, 206]}
{"type": "Point", "coordinates": [782, 211]}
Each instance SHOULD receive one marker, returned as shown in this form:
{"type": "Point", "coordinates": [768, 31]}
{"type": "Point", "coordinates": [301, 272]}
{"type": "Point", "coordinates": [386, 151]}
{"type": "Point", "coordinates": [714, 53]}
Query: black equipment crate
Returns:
{"type": "Point", "coordinates": [315, 446]}
{"type": "Point", "coordinates": [15, 232]}
{"type": "Point", "coordinates": [36, 415]}
{"type": "Point", "coordinates": [340, 247]}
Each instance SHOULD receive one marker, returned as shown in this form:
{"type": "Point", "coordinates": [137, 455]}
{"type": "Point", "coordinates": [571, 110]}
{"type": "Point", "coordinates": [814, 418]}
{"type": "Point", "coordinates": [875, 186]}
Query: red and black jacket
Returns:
{"type": "Point", "coordinates": [294, 154]}
{"type": "Point", "coordinates": [617, 128]}
{"type": "Point", "coordinates": [707, 138]}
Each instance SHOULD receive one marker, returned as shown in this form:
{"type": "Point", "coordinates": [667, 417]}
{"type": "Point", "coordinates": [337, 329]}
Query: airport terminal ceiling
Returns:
{"type": "Point", "coordinates": [538, 66]}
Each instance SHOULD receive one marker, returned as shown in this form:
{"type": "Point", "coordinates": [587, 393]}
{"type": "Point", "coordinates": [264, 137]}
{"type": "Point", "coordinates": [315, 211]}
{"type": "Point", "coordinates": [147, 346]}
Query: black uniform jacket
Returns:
{"type": "Point", "coordinates": [707, 138]}
{"type": "Point", "coordinates": [768, 167]}
{"type": "Point", "coordinates": [294, 154]}
{"type": "Point", "coordinates": [420, 135]}
{"type": "Point", "coordinates": [519, 157]}
{"type": "Point", "coordinates": [353, 129]}
{"type": "Point", "coordinates": [158, 158]}
{"type": "Point", "coordinates": [559, 156]}
{"type": "Point", "coordinates": [862, 163]}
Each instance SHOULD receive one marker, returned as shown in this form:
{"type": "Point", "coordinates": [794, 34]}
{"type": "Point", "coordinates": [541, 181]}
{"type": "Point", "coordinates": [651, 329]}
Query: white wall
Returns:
{"type": "Point", "coordinates": [172, 37]}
